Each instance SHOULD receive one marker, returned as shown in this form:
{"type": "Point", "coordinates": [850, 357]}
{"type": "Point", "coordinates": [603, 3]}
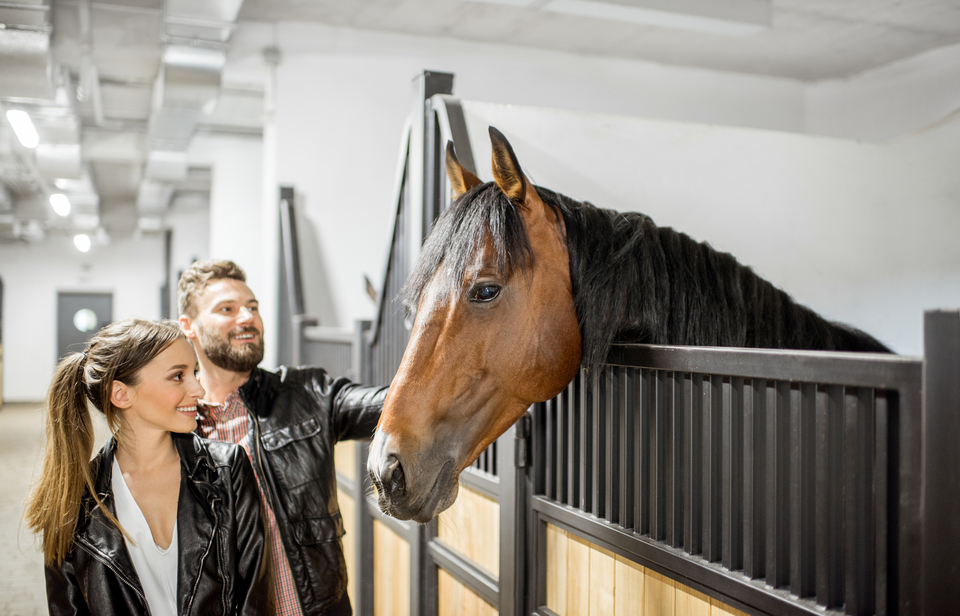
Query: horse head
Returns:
{"type": "Point", "coordinates": [495, 331]}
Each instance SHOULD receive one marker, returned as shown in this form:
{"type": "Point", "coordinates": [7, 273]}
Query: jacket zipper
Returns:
{"type": "Point", "coordinates": [109, 565]}
{"type": "Point", "coordinates": [213, 538]}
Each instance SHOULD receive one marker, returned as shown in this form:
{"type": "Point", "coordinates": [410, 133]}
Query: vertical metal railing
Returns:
{"type": "Point", "coordinates": [782, 467]}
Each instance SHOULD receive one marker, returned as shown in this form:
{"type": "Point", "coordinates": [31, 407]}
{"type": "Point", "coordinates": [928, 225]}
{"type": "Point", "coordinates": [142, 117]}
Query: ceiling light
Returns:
{"type": "Point", "coordinates": [60, 203]}
{"type": "Point", "coordinates": [23, 127]}
{"type": "Point", "coordinates": [731, 17]}
{"type": "Point", "coordinates": [82, 242]}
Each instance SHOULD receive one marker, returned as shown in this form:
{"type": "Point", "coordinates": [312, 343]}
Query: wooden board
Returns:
{"type": "Point", "coordinates": [458, 600]}
{"type": "Point", "coordinates": [586, 580]}
{"type": "Point", "coordinates": [345, 459]}
{"type": "Point", "coordinates": [348, 511]}
{"type": "Point", "coordinates": [472, 527]}
{"type": "Point", "coordinates": [391, 573]}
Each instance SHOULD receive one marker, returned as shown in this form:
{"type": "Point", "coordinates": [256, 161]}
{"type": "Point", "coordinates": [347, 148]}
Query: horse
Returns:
{"type": "Point", "coordinates": [517, 287]}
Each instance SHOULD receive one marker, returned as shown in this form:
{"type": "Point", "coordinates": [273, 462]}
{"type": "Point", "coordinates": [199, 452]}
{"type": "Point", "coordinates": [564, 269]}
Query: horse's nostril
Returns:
{"type": "Point", "coordinates": [393, 480]}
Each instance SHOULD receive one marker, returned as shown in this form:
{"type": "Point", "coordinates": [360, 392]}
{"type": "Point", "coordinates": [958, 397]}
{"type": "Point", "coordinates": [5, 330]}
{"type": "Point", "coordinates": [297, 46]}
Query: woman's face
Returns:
{"type": "Point", "coordinates": [165, 397]}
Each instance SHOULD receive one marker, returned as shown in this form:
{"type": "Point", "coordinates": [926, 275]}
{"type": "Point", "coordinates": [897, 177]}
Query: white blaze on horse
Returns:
{"type": "Point", "coordinates": [518, 286]}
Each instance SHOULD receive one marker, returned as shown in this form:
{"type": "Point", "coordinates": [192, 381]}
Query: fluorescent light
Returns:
{"type": "Point", "coordinates": [82, 242]}
{"type": "Point", "coordinates": [732, 17]}
{"type": "Point", "coordinates": [60, 203]}
{"type": "Point", "coordinates": [23, 127]}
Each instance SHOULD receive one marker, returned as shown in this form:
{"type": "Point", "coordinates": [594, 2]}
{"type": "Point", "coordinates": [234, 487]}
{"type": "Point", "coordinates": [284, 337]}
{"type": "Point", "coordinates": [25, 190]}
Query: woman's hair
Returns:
{"type": "Point", "coordinates": [117, 353]}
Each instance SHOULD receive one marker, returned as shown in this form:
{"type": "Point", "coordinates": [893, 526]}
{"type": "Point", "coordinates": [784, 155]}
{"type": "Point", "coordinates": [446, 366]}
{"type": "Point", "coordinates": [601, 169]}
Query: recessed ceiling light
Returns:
{"type": "Point", "coordinates": [82, 242]}
{"type": "Point", "coordinates": [731, 17]}
{"type": "Point", "coordinates": [60, 203]}
{"type": "Point", "coordinates": [23, 127]}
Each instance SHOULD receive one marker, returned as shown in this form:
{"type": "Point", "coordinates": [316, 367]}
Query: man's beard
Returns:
{"type": "Point", "coordinates": [226, 356]}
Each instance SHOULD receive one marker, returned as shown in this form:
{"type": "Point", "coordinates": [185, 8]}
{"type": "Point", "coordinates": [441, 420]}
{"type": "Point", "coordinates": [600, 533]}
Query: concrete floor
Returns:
{"type": "Point", "coordinates": [22, 590]}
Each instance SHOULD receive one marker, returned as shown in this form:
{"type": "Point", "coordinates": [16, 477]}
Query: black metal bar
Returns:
{"type": "Point", "coordinates": [548, 468]}
{"type": "Point", "coordinates": [712, 436]}
{"type": "Point", "coordinates": [674, 458]}
{"type": "Point", "coordinates": [513, 507]}
{"type": "Point", "coordinates": [659, 400]}
{"type": "Point", "coordinates": [802, 485]}
{"type": "Point", "coordinates": [858, 498]}
{"type": "Point", "coordinates": [693, 470]}
{"type": "Point", "coordinates": [732, 493]}
{"type": "Point", "coordinates": [573, 447]}
{"type": "Point", "coordinates": [628, 447]}
{"type": "Point", "coordinates": [850, 369]}
{"type": "Point", "coordinates": [648, 451]}
{"type": "Point", "coordinates": [778, 480]}
{"type": "Point", "coordinates": [364, 547]}
{"type": "Point", "coordinates": [829, 497]}
{"type": "Point", "coordinates": [881, 484]}
{"type": "Point", "coordinates": [941, 459]}
{"type": "Point", "coordinates": [598, 457]}
{"type": "Point", "coordinates": [611, 439]}
{"type": "Point", "coordinates": [479, 581]}
{"type": "Point", "coordinates": [641, 485]}
{"type": "Point", "coordinates": [754, 483]}
{"type": "Point", "coordinates": [586, 443]}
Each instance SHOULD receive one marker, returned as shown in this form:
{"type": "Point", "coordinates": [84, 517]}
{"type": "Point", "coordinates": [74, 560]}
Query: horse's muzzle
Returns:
{"type": "Point", "coordinates": [390, 480]}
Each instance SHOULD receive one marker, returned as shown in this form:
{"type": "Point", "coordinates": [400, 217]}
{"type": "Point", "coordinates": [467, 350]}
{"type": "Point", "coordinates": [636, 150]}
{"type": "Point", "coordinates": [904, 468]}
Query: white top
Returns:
{"type": "Point", "coordinates": [156, 567]}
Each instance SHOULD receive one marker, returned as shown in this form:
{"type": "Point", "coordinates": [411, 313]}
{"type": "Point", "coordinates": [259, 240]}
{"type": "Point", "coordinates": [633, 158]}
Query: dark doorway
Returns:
{"type": "Point", "coordinates": [79, 317]}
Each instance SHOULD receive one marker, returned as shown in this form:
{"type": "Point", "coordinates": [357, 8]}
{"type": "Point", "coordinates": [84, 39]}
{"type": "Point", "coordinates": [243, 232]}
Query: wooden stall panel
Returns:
{"type": "Point", "coordinates": [345, 458]}
{"type": "Point", "coordinates": [458, 600]}
{"type": "Point", "coordinates": [472, 527]}
{"type": "Point", "coordinates": [348, 512]}
{"type": "Point", "coordinates": [391, 572]}
{"type": "Point", "coordinates": [586, 580]}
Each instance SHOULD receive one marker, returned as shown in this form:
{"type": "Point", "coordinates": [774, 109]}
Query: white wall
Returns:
{"type": "Point", "coordinates": [343, 96]}
{"type": "Point", "coordinates": [862, 233]}
{"type": "Point", "coordinates": [899, 99]}
{"type": "Point", "coordinates": [132, 270]}
{"type": "Point", "coordinates": [240, 225]}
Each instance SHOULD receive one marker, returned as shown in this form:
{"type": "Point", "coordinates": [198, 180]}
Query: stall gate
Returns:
{"type": "Point", "coordinates": [669, 480]}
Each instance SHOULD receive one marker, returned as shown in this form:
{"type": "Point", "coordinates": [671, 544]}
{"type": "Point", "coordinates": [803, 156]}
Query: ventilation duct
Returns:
{"type": "Point", "coordinates": [25, 50]}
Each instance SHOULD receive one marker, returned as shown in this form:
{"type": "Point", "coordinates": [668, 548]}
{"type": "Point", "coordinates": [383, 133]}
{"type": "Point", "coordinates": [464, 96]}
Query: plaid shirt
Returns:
{"type": "Point", "coordinates": [230, 422]}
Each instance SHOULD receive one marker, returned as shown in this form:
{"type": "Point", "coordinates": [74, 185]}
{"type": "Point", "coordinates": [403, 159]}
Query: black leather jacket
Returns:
{"type": "Point", "coordinates": [220, 542]}
{"type": "Point", "coordinates": [300, 414]}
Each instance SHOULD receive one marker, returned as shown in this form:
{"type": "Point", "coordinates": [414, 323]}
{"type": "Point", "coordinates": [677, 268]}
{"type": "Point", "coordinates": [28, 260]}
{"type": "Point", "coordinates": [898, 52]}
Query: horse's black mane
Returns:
{"type": "Point", "coordinates": [632, 280]}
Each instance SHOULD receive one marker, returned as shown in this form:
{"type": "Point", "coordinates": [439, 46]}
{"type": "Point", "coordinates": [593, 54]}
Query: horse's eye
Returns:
{"type": "Point", "coordinates": [486, 293]}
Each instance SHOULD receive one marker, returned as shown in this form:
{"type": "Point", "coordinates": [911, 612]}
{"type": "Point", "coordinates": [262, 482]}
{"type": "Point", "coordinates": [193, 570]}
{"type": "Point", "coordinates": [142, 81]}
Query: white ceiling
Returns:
{"type": "Point", "coordinates": [810, 40]}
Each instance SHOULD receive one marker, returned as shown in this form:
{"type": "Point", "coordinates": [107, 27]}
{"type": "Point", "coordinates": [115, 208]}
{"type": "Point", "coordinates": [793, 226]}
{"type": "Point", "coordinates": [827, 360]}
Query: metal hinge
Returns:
{"type": "Point", "coordinates": [521, 442]}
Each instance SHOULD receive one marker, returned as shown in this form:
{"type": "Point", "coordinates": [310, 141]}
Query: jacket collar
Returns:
{"type": "Point", "coordinates": [259, 391]}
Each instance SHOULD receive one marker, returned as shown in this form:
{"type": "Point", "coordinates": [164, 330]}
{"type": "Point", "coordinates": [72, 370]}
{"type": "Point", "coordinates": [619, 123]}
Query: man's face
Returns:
{"type": "Point", "coordinates": [228, 326]}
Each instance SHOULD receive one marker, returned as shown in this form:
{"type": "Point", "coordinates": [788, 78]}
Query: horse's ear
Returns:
{"type": "Point", "coordinates": [460, 177]}
{"type": "Point", "coordinates": [506, 170]}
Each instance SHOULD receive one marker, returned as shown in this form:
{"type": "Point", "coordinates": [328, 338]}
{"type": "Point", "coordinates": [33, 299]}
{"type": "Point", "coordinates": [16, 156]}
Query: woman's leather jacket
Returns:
{"type": "Point", "coordinates": [220, 537]}
{"type": "Point", "coordinates": [299, 415]}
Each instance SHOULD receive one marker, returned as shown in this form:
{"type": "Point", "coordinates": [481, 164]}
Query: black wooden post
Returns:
{"type": "Point", "coordinates": [941, 463]}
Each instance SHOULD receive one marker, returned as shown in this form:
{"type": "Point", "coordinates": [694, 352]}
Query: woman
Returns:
{"type": "Point", "coordinates": [161, 522]}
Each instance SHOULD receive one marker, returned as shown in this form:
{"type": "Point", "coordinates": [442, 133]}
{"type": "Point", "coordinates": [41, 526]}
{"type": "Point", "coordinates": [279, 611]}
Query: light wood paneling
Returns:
{"type": "Point", "coordinates": [391, 573]}
{"type": "Point", "coordinates": [472, 527]}
{"type": "Point", "coordinates": [602, 578]}
{"type": "Point", "coordinates": [659, 594]}
{"type": "Point", "coordinates": [722, 609]}
{"type": "Point", "coordinates": [629, 588]}
{"type": "Point", "coordinates": [345, 458]}
{"type": "Point", "coordinates": [556, 571]}
{"type": "Point", "coordinates": [458, 600]}
{"type": "Point", "coordinates": [586, 580]}
{"type": "Point", "coordinates": [348, 511]}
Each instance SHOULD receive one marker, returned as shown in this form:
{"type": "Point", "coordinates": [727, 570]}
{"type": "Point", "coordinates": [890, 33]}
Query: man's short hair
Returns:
{"type": "Point", "coordinates": [196, 278]}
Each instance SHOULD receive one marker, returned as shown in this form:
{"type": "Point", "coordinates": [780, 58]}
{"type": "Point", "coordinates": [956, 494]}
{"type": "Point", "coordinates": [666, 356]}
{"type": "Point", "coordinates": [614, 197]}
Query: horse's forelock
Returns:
{"type": "Point", "coordinates": [483, 213]}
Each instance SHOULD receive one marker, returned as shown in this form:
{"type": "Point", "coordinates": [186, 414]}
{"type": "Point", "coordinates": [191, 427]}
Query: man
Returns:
{"type": "Point", "coordinates": [288, 422]}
